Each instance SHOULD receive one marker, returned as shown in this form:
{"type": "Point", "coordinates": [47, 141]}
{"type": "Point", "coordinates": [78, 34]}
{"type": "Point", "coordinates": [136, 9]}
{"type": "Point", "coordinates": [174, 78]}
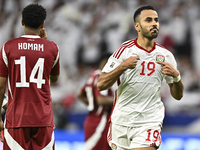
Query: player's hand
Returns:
{"type": "Point", "coordinates": [43, 33]}
{"type": "Point", "coordinates": [1, 129]}
{"type": "Point", "coordinates": [131, 62]}
{"type": "Point", "coordinates": [168, 69]}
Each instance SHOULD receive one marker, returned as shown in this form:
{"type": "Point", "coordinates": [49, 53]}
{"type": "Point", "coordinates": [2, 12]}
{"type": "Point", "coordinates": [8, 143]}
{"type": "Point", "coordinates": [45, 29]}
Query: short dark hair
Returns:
{"type": "Point", "coordinates": [33, 15]}
{"type": "Point", "coordinates": [140, 9]}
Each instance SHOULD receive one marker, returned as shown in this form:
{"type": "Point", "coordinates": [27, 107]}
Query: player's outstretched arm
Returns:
{"type": "Point", "coordinates": [106, 80]}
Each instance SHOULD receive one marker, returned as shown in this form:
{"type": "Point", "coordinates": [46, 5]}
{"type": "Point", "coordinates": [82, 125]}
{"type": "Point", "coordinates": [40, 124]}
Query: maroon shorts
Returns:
{"type": "Point", "coordinates": [29, 138]}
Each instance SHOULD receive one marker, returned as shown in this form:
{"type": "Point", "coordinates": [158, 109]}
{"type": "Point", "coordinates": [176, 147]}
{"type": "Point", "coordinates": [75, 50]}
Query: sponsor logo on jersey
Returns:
{"type": "Point", "coordinates": [112, 64]}
{"type": "Point", "coordinates": [160, 58]}
{"type": "Point", "coordinates": [113, 146]}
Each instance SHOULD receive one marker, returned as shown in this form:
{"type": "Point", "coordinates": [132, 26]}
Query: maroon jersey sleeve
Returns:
{"type": "Point", "coordinates": [4, 69]}
{"type": "Point", "coordinates": [56, 66]}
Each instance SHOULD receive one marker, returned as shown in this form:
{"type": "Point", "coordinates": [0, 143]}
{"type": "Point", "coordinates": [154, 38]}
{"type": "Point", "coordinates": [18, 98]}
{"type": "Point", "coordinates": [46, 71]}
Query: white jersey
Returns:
{"type": "Point", "coordinates": [138, 99]}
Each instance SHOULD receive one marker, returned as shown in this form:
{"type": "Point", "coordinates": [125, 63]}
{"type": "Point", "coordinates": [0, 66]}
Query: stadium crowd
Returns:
{"type": "Point", "coordinates": [86, 29]}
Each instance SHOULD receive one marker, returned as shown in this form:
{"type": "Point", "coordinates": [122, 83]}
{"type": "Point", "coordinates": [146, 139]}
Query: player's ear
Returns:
{"type": "Point", "coordinates": [22, 22]}
{"type": "Point", "coordinates": [137, 26]}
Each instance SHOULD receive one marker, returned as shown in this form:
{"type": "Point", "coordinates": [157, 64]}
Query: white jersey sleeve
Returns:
{"type": "Point", "coordinates": [170, 59]}
{"type": "Point", "coordinates": [120, 55]}
{"type": "Point", "coordinates": [111, 64]}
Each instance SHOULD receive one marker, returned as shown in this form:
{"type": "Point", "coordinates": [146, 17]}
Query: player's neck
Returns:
{"type": "Point", "coordinates": [145, 43]}
{"type": "Point", "coordinates": [28, 31]}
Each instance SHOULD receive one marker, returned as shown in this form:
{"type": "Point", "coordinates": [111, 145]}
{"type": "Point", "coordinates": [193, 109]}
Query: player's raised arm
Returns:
{"type": "Point", "coordinates": [106, 80]}
{"type": "Point", "coordinates": [43, 33]}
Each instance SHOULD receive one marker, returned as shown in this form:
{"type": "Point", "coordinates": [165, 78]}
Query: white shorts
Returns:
{"type": "Point", "coordinates": [122, 137]}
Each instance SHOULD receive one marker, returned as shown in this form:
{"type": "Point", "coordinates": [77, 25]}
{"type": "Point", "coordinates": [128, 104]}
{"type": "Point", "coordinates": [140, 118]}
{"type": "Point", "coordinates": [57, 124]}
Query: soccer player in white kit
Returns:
{"type": "Point", "coordinates": [139, 66]}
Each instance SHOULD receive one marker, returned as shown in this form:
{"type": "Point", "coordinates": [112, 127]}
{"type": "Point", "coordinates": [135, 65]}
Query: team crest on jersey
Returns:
{"type": "Point", "coordinates": [112, 64]}
{"type": "Point", "coordinates": [160, 58]}
{"type": "Point", "coordinates": [113, 146]}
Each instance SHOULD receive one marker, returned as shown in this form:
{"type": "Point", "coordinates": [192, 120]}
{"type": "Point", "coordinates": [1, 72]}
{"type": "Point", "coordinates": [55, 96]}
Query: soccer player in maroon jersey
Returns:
{"type": "Point", "coordinates": [99, 105]}
{"type": "Point", "coordinates": [28, 64]}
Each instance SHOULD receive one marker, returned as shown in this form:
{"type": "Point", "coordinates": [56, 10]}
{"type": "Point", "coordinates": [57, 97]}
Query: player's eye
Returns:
{"type": "Point", "coordinates": [156, 19]}
{"type": "Point", "coordinates": [148, 19]}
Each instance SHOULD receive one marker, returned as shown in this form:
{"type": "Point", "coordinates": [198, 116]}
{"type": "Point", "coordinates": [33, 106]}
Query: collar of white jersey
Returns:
{"type": "Point", "coordinates": [148, 51]}
{"type": "Point", "coordinates": [30, 36]}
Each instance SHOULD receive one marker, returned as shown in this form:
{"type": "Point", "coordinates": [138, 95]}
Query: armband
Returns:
{"type": "Point", "coordinates": [177, 79]}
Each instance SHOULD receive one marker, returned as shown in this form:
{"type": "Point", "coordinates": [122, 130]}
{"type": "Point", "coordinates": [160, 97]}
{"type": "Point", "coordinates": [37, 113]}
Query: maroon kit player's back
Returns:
{"type": "Point", "coordinates": [28, 62]}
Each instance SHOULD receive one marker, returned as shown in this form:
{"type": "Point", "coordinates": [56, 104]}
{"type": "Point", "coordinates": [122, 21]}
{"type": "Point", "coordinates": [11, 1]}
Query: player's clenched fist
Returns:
{"type": "Point", "coordinates": [168, 69]}
{"type": "Point", "coordinates": [131, 62]}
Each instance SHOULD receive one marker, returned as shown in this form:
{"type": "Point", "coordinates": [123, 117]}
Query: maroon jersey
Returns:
{"type": "Point", "coordinates": [28, 62]}
{"type": "Point", "coordinates": [96, 123]}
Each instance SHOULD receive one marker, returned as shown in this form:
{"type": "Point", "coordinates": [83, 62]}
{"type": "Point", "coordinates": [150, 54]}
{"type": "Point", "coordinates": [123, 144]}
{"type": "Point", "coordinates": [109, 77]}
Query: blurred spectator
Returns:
{"type": "Point", "coordinates": [180, 30]}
